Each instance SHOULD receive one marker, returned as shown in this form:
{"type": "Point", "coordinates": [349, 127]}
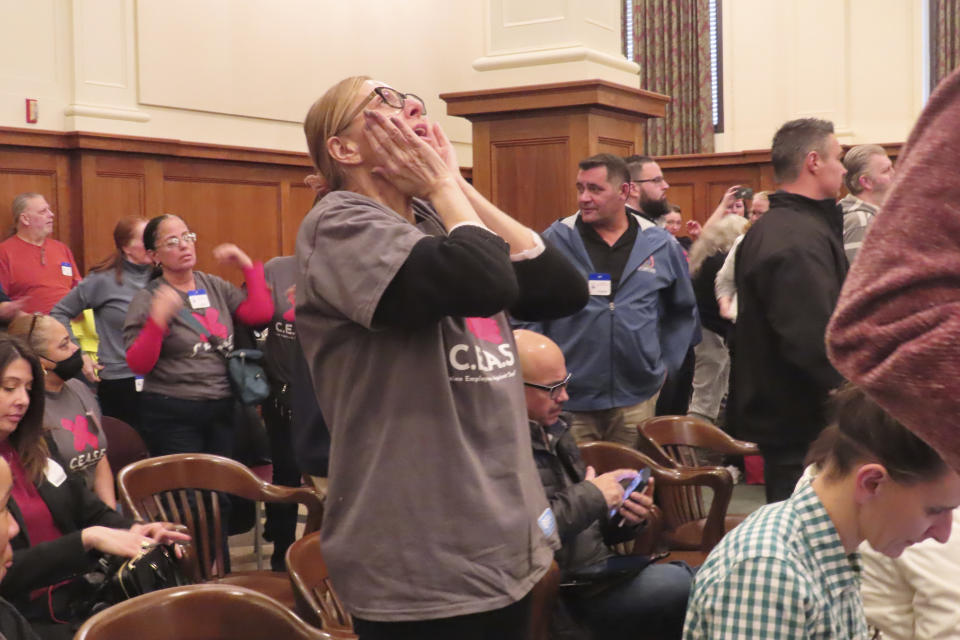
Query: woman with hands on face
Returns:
{"type": "Point", "coordinates": [186, 399]}
{"type": "Point", "coordinates": [405, 273]}
{"type": "Point", "coordinates": [63, 527]}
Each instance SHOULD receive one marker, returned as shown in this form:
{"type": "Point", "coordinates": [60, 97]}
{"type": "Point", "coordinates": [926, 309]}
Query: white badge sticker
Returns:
{"type": "Point", "coordinates": [547, 522]}
{"type": "Point", "coordinates": [54, 473]}
{"type": "Point", "coordinates": [599, 284]}
{"type": "Point", "coordinates": [66, 269]}
{"type": "Point", "coordinates": [138, 383]}
{"type": "Point", "coordinates": [198, 299]}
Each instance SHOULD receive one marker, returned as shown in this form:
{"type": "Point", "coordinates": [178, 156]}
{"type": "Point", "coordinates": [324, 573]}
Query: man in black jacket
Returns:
{"type": "Point", "coordinates": [789, 271]}
{"type": "Point", "coordinates": [611, 595]}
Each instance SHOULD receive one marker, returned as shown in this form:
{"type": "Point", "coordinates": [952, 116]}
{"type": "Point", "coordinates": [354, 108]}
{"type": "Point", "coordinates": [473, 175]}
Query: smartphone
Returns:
{"type": "Point", "coordinates": [744, 193]}
{"type": "Point", "coordinates": [637, 483]}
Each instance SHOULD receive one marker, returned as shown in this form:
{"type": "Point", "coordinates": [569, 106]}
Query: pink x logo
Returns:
{"type": "Point", "coordinates": [82, 437]}
{"type": "Point", "coordinates": [211, 321]}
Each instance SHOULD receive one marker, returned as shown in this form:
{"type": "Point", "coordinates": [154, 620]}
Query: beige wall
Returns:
{"type": "Point", "coordinates": [856, 62]}
{"type": "Point", "coordinates": [244, 72]}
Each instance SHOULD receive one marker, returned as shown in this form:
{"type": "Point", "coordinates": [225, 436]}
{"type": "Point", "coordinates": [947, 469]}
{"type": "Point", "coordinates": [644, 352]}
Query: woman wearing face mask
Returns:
{"type": "Point", "coordinates": [71, 415]}
{"type": "Point", "coordinates": [108, 290]}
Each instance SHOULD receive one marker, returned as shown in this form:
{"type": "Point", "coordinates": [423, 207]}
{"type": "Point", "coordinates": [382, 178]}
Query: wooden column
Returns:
{"type": "Point", "coordinates": [528, 140]}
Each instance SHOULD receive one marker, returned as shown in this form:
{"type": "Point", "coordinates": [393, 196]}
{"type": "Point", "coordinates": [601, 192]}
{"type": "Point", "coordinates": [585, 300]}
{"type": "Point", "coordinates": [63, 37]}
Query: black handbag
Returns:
{"type": "Point", "coordinates": [247, 378]}
{"type": "Point", "coordinates": [156, 567]}
{"type": "Point", "coordinates": [115, 579]}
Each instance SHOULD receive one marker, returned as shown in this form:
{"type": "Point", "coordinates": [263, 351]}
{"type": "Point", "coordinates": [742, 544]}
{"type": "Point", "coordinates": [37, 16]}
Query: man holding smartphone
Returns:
{"type": "Point", "coordinates": [607, 593]}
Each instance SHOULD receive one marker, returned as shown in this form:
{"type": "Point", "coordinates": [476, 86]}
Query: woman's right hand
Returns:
{"type": "Point", "coordinates": [403, 158]}
{"type": "Point", "coordinates": [117, 542]}
{"type": "Point", "coordinates": [166, 303]}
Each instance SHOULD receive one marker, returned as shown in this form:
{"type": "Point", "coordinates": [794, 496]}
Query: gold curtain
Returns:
{"type": "Point", "coordinates": [672, 47]}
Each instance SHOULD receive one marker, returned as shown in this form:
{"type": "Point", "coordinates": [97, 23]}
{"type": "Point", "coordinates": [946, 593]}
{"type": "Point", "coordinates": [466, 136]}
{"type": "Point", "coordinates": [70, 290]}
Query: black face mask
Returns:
{"type": "Point", "coordinates": [69, 367]}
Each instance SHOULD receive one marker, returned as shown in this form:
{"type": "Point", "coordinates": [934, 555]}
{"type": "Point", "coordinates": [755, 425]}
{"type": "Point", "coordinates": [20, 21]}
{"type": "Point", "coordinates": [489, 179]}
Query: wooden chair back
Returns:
{"type": "Point", "coordinates": [185, 487]}
{"type": "Point", "coordinates": [126, 445]}
{"type": "Point", "coordinates": [316, 601]}
{"type": "Point", "coordinates": [675, 440]}
{"type": "Point", "coordinates": [670, 487]}
{"type": "Point", "coordinates": [199, 612]}
{"type": "Point", "coordinates": [543, 599]}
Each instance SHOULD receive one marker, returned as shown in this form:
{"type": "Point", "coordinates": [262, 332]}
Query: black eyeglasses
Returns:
{"type": "Point", "coordinates": [33, 325]}
{"type": "Point", "coordinates": [657, 180]}
{"type": "Point", "coordinates": [390, 96]}
{"type": "Point", "coordinates": [553, 389]}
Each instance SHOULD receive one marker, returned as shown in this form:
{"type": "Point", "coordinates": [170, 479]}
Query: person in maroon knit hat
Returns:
{"type": "Point", "coordinates": [896, 328]}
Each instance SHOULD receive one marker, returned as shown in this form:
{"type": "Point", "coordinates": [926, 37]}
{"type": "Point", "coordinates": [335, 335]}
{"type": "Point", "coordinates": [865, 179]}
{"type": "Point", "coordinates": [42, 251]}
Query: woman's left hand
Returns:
{"type": "Point", "coordinates": [231, 255]}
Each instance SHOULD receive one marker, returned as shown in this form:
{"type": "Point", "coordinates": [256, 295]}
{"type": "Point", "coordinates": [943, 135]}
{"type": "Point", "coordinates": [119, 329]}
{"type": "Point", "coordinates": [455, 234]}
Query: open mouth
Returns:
{"type": "Point", "coordinates": [422, 130]}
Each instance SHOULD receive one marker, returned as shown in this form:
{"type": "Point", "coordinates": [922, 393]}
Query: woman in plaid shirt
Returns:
{"type": "Point", "coordinates": [791, 569]}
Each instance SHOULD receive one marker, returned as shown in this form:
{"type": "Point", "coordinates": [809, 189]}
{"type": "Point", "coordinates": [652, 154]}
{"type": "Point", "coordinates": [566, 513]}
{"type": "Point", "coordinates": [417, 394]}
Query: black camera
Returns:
{"type": "Point", "coordinates": [744, 193]}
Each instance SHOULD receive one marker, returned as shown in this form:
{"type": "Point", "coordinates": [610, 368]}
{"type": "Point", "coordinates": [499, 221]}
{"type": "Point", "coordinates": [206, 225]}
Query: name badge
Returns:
{"type": "Point", "coordinates": [547, 522]}
{"type": "Point", "coordinates": [66, 269]}
{"type": "Point", "coordinates": [599, 284]}
{"type": "Point", "coordinates": [198, 299]}
{"type": "Point", "coordinates": [138, 383]}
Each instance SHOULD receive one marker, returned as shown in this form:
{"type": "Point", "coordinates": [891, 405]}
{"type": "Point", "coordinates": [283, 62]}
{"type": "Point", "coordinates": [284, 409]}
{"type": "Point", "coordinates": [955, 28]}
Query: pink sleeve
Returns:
{"type": "Point", "coordinates": [145, 350]}
{"type": "Point", "coordinates": [257, 309]}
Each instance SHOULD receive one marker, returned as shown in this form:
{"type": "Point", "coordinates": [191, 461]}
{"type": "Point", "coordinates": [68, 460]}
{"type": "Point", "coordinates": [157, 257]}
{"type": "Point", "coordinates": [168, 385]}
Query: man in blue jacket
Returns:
{"type": "Point", "coordinates": [641, 317]}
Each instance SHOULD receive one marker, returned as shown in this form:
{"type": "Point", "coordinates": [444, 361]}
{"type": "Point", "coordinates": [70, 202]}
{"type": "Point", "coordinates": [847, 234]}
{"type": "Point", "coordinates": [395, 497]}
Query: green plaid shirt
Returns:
{"type": "Point", "coordinates": [783, 573]}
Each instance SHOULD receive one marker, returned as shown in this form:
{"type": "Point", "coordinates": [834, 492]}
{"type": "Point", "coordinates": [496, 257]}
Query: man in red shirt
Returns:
{"type": "Point", "coordinates": [35, 270]}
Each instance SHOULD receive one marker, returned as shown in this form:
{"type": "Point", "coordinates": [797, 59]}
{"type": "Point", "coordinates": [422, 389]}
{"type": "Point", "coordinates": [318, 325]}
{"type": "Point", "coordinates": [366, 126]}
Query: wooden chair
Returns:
{"type": "Point", "coordinates": [199, 612]}
{"type": "Point", "coordinates": [318, 604]}
{"type": "Point", "coordinates": [543, 598]}
{"type": "Point", "coordinates": [608, 456]}
{"type": "Point", "coordinates": [316, 601]}
{"type": "Point", "coordinates": [673, 441]}
{"type": "Point", "coordinates": [184, 488]}
{"type": "Point", "coordinates": [125, 444]}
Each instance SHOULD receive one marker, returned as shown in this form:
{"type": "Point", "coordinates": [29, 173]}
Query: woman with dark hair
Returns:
{"type": "Point", "coordinates": [187, 403]}
{"type": "Point", "coordinates": [405, 272]}
{"type": "Point", "coordinates": [795, 562]}
{"type": "Point", "coordinates": [64, 527]}
{"type": "Point", "coordinates": [71, 415]}
{"type": "Point", "coordinates": [108, 290]}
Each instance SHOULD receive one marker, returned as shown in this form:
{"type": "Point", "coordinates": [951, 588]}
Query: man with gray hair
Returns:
{"type": "Point", "coordinates": [35, 270]}
{"type": "Point", "coordinates": [789, 272]}
{"type": "Point", "coordinates": [869, 176]}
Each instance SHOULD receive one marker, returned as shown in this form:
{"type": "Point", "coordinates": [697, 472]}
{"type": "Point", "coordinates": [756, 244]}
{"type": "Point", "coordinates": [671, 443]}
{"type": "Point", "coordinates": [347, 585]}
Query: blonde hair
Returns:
{"type": "Point", "coordinates": [326, 117]}
{"type": "Point", "coordinates": [717, 237]}
{"type": "Point", "coordinates": [40, 337]}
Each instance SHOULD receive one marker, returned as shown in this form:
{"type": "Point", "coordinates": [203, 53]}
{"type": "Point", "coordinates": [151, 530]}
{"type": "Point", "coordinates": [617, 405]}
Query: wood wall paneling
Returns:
{"type": "Point", "coordinates": [529, 201]}
{"type": "Point", "coordinates": [257, 199]}
{"type": "Point", "coordinates": [253, 198]}
{"type": "Point", "coordinates": [300, 203]}
{"type": "Point", "coordinates": [41, 171]}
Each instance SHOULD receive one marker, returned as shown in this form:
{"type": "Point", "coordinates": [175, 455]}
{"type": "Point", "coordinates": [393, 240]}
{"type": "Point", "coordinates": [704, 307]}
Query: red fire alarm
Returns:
{"type": "Point", "coordinates": [32, 110]}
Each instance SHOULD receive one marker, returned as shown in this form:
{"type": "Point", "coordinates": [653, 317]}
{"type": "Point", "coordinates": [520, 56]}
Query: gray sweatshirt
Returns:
{"type": "Point", "coordinates": [109, 301]}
